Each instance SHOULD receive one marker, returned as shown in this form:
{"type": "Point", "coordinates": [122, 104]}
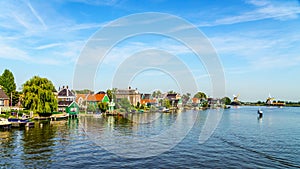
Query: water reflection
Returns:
{"type": "Point", "coordinates": [37, 145]}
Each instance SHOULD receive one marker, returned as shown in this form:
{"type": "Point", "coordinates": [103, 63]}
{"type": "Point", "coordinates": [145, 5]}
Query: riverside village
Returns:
{"type": "Point", "coordinates": [39, 100]}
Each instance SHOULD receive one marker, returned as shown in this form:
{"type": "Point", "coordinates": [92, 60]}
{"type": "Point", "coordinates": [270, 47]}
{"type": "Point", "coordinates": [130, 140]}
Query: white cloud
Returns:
{"type": "Point", "coordinates": [36, 15]}
{"type": "Point", "coordinates": [263, 10]}
{"type": "Point", "coordinates": [8, 52]}
{"type": "Point", "coordinates": [252, 51]}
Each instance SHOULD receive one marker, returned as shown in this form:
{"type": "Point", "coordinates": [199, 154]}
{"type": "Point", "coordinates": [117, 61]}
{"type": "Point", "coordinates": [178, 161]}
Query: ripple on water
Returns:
{"type": "Point", "coordinates": [240, 141]}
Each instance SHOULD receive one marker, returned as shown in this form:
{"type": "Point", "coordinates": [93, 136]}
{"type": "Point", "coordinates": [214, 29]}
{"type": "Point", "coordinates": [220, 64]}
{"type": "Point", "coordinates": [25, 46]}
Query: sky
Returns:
{"type": "Point", "coordinates": [257, 43]}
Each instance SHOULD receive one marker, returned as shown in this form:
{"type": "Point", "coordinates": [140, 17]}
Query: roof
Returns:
{"type": "Point", "coordinates": [146, 96]}
{"type": "Point", "coordinates": [171, 96]}
{"type": "Point", "coordinates": [83, 96]}
{"type": "Point", "coordinates": [195, 100]}
{"type": "Point", "coordinates": [3, 95]}
{"type": "Point", "coordinates": [65, 92]}
{"type": "Point", "coordinates": [144, 101]}
{"type": "Point", "coordinates": [95, 97]}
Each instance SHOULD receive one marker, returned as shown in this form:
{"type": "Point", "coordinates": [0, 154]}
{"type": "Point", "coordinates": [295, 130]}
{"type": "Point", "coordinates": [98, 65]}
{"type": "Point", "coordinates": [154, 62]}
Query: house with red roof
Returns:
{"type": "Point", "coordinates": [84, 99]}
{"type": "Point", "coordinates": [4, 99]}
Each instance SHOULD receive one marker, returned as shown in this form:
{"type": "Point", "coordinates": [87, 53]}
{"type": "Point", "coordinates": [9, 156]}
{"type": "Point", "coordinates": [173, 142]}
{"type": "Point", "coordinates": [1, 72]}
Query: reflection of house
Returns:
{"type": "Point", "coordinates": [64, 98]}
{"type": "Point", "coordinates": [131, 94]}
{"type": "Point", "coordinates": [4, 99]}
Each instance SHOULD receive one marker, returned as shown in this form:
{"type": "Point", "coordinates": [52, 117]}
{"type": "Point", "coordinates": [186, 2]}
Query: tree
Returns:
{"type": "Point", "coordinates": [113, 91]}
{"type": "Point", "coordinates": [171, 92]}
{"type": "Point", "coordinates": [166, 103]}
{"type": "Point", "coordinates": [200, 95]}
{"type": "Point", "coordinates": [186, 98]}
{"type": "Point", "coordinates": [7, 81]}
{"type": "Point", "coordinates": [109, 94]}
{"type": "Point", "coordinates": [125, 104]}
{"type": "Point", "coordinates": [84, 91]}
{"type": "Point", "coordinates": [226, 100]}
{"type": "Point", "coordinates": [91, 107]}
{"type": "Point", "coordinates": [103, 106]}
{"type": "Point", "coordinates": [39, 96]}
{"type": "Point", "coordinates": [138, 105]}
{"type": "Point", "coordinates": [156, 94]}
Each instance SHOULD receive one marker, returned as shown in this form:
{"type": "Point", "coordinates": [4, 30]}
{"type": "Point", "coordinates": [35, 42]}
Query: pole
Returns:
{"type": "Point", "coordinates": [10, 99]}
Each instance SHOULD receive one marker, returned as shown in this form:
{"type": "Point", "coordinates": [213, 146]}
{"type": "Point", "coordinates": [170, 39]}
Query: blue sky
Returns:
{"type": "Point", "coordinates": [257, 42]}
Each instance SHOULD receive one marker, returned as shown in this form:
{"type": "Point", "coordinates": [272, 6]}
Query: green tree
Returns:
{"type": "Point", "coordinates": [113, 91]}
{"type": "Point", "coordinates": [156, 93]}
{"type": "Point", "coordinates": [226, 100]}
{"type": "Point", "coordinates": [109, 94]}
{"type": "Point", "coordinates": [185, 98]}
{"type": "Point", "coordinates": [171, 92]}
{"type": "Point", "coordinates": [7, 81]}
{"type": "Point", "coordinates": [142, 106]}
{"type": "Point", "coordinates": [84, 91]}
{"type": "Point", "coordinates": [138, 105]}
{"type": "Point", "coordinates": [166, 103]}
{"type": "Point", "coordinates": [103, 106]}
{"type": "Point", "coordinates": [39, 96]}
{"type": "Point", "coordinates": [200, 95]}
{"type": "Point", "coordinates": [125, 104]}
{"type": "Point", "coordinates": [91, 107]}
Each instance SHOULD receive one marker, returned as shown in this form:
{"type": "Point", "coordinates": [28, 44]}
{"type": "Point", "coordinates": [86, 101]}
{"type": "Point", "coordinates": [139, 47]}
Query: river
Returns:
{"type": "Point", "coordinates": [154, 140]}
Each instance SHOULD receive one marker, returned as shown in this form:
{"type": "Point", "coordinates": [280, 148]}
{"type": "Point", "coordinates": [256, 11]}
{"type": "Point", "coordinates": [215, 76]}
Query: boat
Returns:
{"type": "Point", "coordinates": [16, 122]}
{"type": "Point", "coordinates": [98, 115]}
{"type": "Point", "coordinates": [57, 117]}
{"type": "Point", "coordinates": [260, 113]}
{"type": "Point", "coordinates": [165, 110]}
{"type": "Point", "coordinates": [5, 124]}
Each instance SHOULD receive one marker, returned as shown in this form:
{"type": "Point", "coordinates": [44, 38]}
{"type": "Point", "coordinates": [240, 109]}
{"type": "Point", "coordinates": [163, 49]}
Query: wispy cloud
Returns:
{"type": "Point", "coordinates": [252, 51]}
{"type": "Point", "coordinates": [25, 36]}
{"type": "Point", "coordinates": [263, 10]}
{"type": "Point", "coordinates": [48, 46]}
{"type": "Point", "coordinates": [97, 2]}
{"type": "Point", "coordinates": [36, 15]}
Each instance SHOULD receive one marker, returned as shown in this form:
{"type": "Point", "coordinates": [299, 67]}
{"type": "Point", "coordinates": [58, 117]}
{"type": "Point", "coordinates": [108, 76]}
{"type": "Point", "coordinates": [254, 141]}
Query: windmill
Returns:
{"type": "Point", "coordinates": [235, 100]}
{"type": "Point", "coordinates": [270, 99]}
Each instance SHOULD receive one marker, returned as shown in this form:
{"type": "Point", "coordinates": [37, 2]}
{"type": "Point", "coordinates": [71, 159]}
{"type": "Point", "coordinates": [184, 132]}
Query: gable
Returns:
{"type": "Point", "coordinates": [105, 99]}
{"type": "Point", "coordinates": [3, 95]}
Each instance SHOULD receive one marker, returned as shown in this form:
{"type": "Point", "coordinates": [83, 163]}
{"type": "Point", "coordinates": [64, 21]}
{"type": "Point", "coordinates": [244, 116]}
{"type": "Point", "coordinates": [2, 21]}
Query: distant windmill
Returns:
{"type": "Point", "coordinates": [270, 99]}
{"type": "Point", "coordinates": [235, 100]}
{"type": "Point", "coordinates": [235, 97]}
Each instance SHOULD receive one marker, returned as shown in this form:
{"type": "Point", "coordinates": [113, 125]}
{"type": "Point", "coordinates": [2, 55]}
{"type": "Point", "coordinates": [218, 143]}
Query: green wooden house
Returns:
{"type": "Point", "coordinates": [73, 109]}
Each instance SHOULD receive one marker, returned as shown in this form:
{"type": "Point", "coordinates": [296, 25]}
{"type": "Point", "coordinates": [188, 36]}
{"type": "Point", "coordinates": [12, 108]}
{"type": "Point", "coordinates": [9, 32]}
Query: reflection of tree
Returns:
{"type": "Point", "coordinates": [7, 148]}
{"type": "Point", "coordinates": [38, 145]}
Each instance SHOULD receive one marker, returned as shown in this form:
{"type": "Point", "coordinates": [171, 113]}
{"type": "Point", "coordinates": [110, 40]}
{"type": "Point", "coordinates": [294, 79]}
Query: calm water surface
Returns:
{"type": "Point", "coordinates": [240, 141]}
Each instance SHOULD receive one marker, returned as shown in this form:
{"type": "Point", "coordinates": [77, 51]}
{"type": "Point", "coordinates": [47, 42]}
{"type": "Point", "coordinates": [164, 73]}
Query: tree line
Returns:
{"type": "Point", "coordinates": [36, 95]}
